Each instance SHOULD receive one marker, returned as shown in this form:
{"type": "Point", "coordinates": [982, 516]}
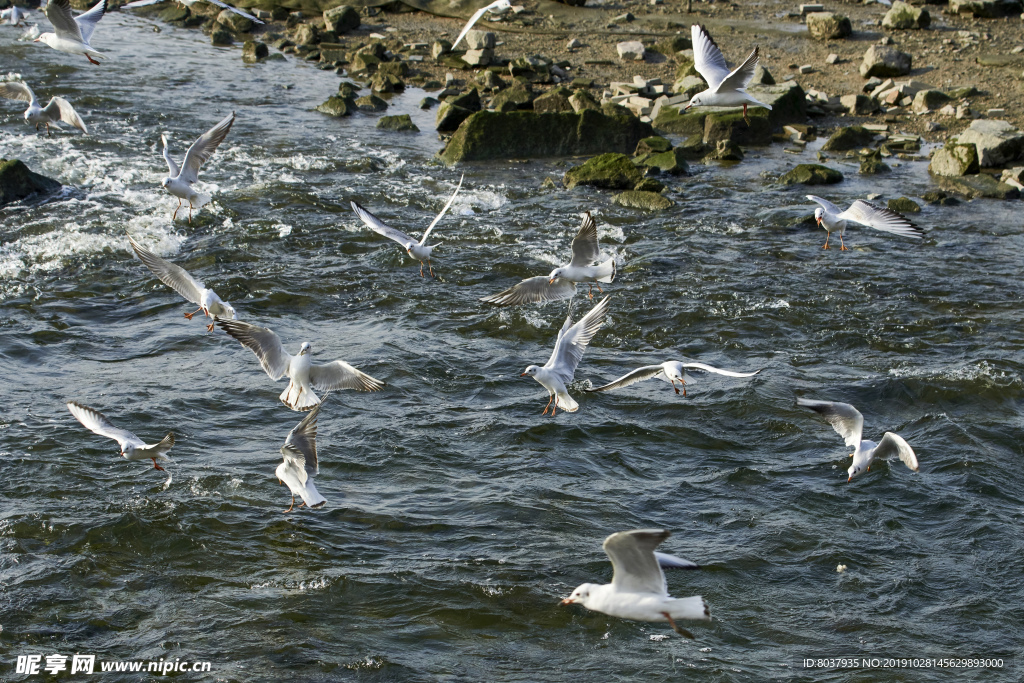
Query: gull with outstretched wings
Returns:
{"type": "Point", "coordinates": [57, 110]}
{"type": "Point", "coordinates": [300, 464]}
{"type": "Point", "coordinates": [132, 447]}
{"type": "Point", "coordinates": [725, 88]}
{"type": "Point", "coordinates": [179, 182]}
{"type": "Point", "coordinates": [671, 371]}
{"type": "Point", "coordinates": [834, 219]}
{"type": "Point", "coordinates": [72, 34]}
{"type": "Point", "coordinates": [496, 7]}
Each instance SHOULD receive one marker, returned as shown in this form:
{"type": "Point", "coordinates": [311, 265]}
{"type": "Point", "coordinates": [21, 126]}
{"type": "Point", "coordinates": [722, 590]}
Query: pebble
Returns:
{"type": "Point", "coordinates": [806, 69]}
{"type": "Point", "coordinates": [574, 44]}
{"type": "Point", "coordinates": [995, 113]}
{"type": "Point", "coordinates": [832, 59]}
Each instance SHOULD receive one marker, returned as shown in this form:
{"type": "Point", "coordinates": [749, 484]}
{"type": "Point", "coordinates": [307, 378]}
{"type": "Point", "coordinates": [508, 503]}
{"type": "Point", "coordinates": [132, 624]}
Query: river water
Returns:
{"type": "Point", "coordinates": [457, 515]}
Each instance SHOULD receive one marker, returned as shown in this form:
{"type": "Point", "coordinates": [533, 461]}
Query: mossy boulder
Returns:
{"type": "Point", "coordinates": [732, 126]}
{"type": "Point", "coordinates": [724, 150]}
{"type": "Point", "coordinates": [686, 68]}
{"type": "Point", "coordinates": [174, 14]}
{"type": "Point", "coordinates": [254, 51]}
{"type": "Point", "coordinates": [644, 201]}
{"type": "Point", "coordinates": [954, 160]}
{"type": "Point", "coordinates": [17, 182]}
{"type": "Point", "coordinates": [828, 26]}
{"type": "Point", "coordinates": [341, 19]}
{"type": "Point", "coordinates": [608, 171]}
{"type": "Point", "coordinates": [675, 121]}
{"type": "Point", "coordinates": [338, 106]}
{"type": "Point", "coordinates": [222, 38]}
{"type": "Point", "coordinates": [581, 99]}
{"type": "Point", "coordinates": [980, 185]}
{"type": "Point", "coordinates": [672, 161]}
{"type": "Point", "coordinates": [402, 122]}
{"type": "Point", "coordinates": [516, 96]}
{"type": "Point", "coordinates": [450, 116]}
{"type": "Point", "coordinates": [652, 145]}
{"type": "Point", "coordinates": [234, 22]}
{"type": "Point", "coordinates": [850, 137]}
{"type": "Point", "coordinates": [371, 103]}
{"type": "Point", "coordinates": [904, 205]}
{"type": "Point", "coordinates": [903, 16]}
{"type": "Point", "coordinates": [650, 185]}
{"type": "Point", "coordinates": [693, 147]}
{"type": "Point", "coordinates": [556, 100]}
{"type": "Point", "coordinates": [811, 174]}
{"type": "Point", "coordinates": [873, 165]}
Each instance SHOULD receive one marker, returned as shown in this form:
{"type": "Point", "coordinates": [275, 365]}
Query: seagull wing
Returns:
{"type": "Point", "coordinates": [844, 418]}
{"type": "Point", "coordinates": [727, 373]}
{"type": "Point", "coordinates": [472, 20]}
{"type": "Point", "coordinates": [62, 109]}
{"type": "Point", "coordinates": [175, 277]}
{"type": "Point", "coordinates": [895, 446]}
{"type": "Point", "coordinates": [13, 90]}
{"type": "Point", "coordinates": [636, 567]}
{"type": "Point", "coordinates": [573, 340]}
{"type": "Point", "coordinates": [226, 6]}
{"type": "Point", "coordinates": [141, 3]}
{"type": "Point", "coordinates": [171, 165]}
{"type": "Point", "coordinates": [380, 227]}
{"type": "Point", "coordinates": [87, 20]}
{"type": "Point", "coordinates": [97, 423]}
{"type": "Point", "coordinates": [203, 148]}
{"type": "Point", "coordinates": [532, 290]}
{"type": "Point", "coordinates": [300, 445]}
{"type": "Point", "coordinates": [64, 24]}
{"type": "Point", "coordinates": [881, 218]}
{"type": "Point", "coordinates": [826, 204]}
{"type": "Point", "coordinates": [741, 75]}
{"type": "Point", "coordinates": [341, 375]}
{"type": "Point", "coordinates": [263, 342]}
{"type": "Point", "coordinates": [584, 245]}
{"type": "Point", "coordinates": [638, 375]}
{"type": "Point", "coordinates": [707, 58]}
{"type": "Point", "coordinates": [423, 240]}
{"type": "Point", "coordinates": [666, 561]}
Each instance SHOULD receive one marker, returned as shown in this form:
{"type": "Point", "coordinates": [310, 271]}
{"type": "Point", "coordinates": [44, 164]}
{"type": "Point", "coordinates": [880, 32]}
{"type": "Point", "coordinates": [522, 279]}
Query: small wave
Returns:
{"type": "Point", "coordinates": [970, 372]}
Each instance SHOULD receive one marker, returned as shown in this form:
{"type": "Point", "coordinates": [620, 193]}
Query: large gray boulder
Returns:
{"type": "Point", "coordinates": [997, 142]}
{"type": "Point", "coordinates": [828, 26]}
{"type": "Point", "coordinates": [954, 160]}
{"type": "Point", "coordinates": [904, 16]}
{"type": "Point", "coordinates": [341, 19]}
{"type": "Point", "coordinates": [885, 61]}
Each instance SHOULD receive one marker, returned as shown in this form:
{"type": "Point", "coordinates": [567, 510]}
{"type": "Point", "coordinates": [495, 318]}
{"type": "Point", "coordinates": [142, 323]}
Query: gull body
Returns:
{"type": "Point", "coordinates": [189, 3]}
{"type": "Point", "coordinates": [300, 461]}
{"type": "Point", "coordinates": [725, 88]}
{"type": "Point", "coordinates": [179, 182]}
{"type": "Point", "coordinates": [418, 250]}
{"type": "Point", "coordinates": [560, 283]}
{"type": "Point", "coordinates": [13, 16]}
{"type": "Point", "coordinates": [572, 341]}
{"type": "Point", "coordinates": [849, 424]}
{"type": "Point", "coordinates": [72, 34]}
{"type": "Point", "coordinates": [496, 7]}
{"type": "Point", "coordinates": [638, 590]}
{"type": "Point", "coordinates": [834, 219]}
{"type": "Point", "coordinates": [671, 371]}
{"type": "Point", "coordinates": [132, 447]}
{"type": "Point", "coordinates": [57, 110]}
{"type": "Point", "coordinates": [304, 376]}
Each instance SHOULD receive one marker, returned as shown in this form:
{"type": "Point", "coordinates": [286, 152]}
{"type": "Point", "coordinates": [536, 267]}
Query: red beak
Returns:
{"type": "Point", "coordinates": [567, 601]}
{"type": "Point", "coordinates": [522, 374]}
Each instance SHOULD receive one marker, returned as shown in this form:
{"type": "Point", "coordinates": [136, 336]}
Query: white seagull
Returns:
{"type": "Point", "coordinates": [569, 347]}
{"type": "Point", "coordinates": [304, 375]}
{"type": "Point", "coordinates": [638, 589]}
{"type": "Point", "coordinates": [725, 88]}
{"type": "Point", "coordinates": [13, 16]}
{"type": "Point", "coordinates": [189, 3]}
{"type": "Point", "coordinates": [71, 33]}
{"type": "Point", "coordinates": [849, 424]}
{"type": "Point", "coordinates": [179, 182]}
{"type": "Point", "coordinates": [834, 219]}
{"type": "Point", "coordinates": [418, 250]}
{"type": "Point", "coordinates": [671, 371]}
{"type": "Point", "coordinates": [496, 7]}
{"type": "Point", "coordinates": [561, 282]}
{"type": "Point", "coordinates": [179, 279]}
{"type": "Point", "coordinates": [57, 110]}
{"type": "Point", "coordinates": [300, 462]}
{"type": "Point", "coordinates": [132, 447]}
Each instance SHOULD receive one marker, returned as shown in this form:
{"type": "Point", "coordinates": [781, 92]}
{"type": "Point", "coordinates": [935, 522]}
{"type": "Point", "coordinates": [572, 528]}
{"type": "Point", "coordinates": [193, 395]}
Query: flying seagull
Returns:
{"type": "Point", "coordinates": [304, 375]}
{"type": "Point", "coordinates": [417, 250]}
{"type": "Point", "coordinates": [179, 279]}
{"type": "Point", "coordinates": [179, 182]}
{"type": "Point", "coordinates": [300, 462]}
{"type": "Point", "coordinates": [57, 110]}
{"type": "Point", "coordinates": [849, 424]}
{"type": "Point", "coordinates": [132, 447]}
{"type": "Point", "coordinates": [561, 282]}
{"type": "Point", "coordinates": [496, 7]}
{"type": "Point", "coordinates": [189, 3]}
{"type": "Point", "coordinates": [569, 347]}
{"type": "Point", "coordinates": [671, 371]}
{"type": "Point", "coordinates": [71, 33]}
{"type": "Point", "coordinates": [834, 219]}
{"type": "Point", "coordinates": [725, 88]}
{"type": "Point", "coordinates": [13, 16]}
{"type": "Point", "coordinates": [638, 589]}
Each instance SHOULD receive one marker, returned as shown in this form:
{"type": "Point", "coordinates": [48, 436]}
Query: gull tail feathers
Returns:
{"type": "Point", "coordinates": [297, 398]}
{"type": "Point", "coordinates": [694, 607]}
{"type": "Point", "coordinates": [566, 403]}
{"type": "Point", "coordinates": [310, 496]}
{"type": "Point", "coordinates": [159, 450]}
{"type": "Point", "coordinates": [201, 201]}
{"type": "Point", "coordinates": [607, 271]}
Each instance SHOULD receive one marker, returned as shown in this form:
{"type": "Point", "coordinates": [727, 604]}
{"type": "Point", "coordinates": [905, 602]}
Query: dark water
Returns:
{"type": "Point", "coordinates": [457, 516]}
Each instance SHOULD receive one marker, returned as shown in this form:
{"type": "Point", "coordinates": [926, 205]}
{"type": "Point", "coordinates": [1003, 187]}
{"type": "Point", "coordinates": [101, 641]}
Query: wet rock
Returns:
{"type": "Point", "coordinates": [677, 122]}
{"type": "Point", "coordinates": [688, 86]}
{"type": "Point", "coordinates": [222, 38]}
{"type": "Point", "coordinates": [174, 15]}
{"type": "Point", "coordinates": [371, 103]}
{"type": "Point", "coordinates": [650, 185]}
{"type": "Point", "coordinates": [608, 171]}
{"type": "Point", "coordinates": [535, 69]}
{"type": "Point", "coordinates": [631, 50]}
{"type": "Point", "coordinates": [254, 51]}
{"type": "Point", "coordinates": [858, 105]}
{"type": "Point", "coordinates": [489, 80]}
{"type": "Point", "coordinates": [904, 205]}
{"type": "Point", "coordinates": [402, 122]}
{"type": "Point", "coordinates": [440, 47]}
{"type": "Point", "coordinates": [724, 150]}
{"type": "Point", "coordinates": [903, 16]}
{"type": "Point", "coordinates": [985, 9]}
{"type": "Point", "coordinates": [338, 106]}
{"type": "Point", "coordinates": [929, 100]}
{"type": "Point", "coordinates": [873, 165]}
{"type": "Point", "coordinates": [478, 57]}
{"type": "Point", "coordinates": [850, 137]}
{"type": "Point", "coordinates": [516, 96]}
{"type": "Point", "coordinates": [363, 62]}
{"type": "Point", "coordinates": [386, 83]}
{"type": "Point", "coordinates": [17, 182]}
{"type": "Point", "coordinates": [939, 197]}
{"type": "Point", "coordinates": [954, 160]}
{"type": "Point", "coordinates": [333, 53]}
{"type": "Point", "coordinates": [341, 19]}
{"type": "Point", "coordinates": [428, 102]}
{"type": "Point", "coordinates": [693, 148]}
{"type": "Point", "coordinates": [731, 126]}
{"type": "Point", "coordinates": [581, 99]}
{"type": "Point", "coordinates": [762, 76]}
{"type": "Point", "coordinates": [652, 145]}
{"type": "Point", "coordinates": [554, 100]}
{"type": "Point", "coordinates": [962, 93]}
{"type": "Point", "coordinates": [828, 26]}
{"type": "Point", "coordinates": [811, 174]}
{"type": "Point", "coordinates": [305, 34]}
{"type": "Point", "coordinates": [997, 142]}
{"type": "Point", "coordinates": [980, 185]}
{"type": "Point", "coordinates": [450, 116]}
{"type": "Point", "coordinates": [396, 69]}
{"type": "Point", "coordinates": [643, 201]}
{"type": "Point", "coordinates": [481, 40]}
{"type": "Point", "coordinates": [235, 23]}
{"type": "Point", "coordinates": [885, 61]}
{"type": "Point", "coordinates": [671, 161]}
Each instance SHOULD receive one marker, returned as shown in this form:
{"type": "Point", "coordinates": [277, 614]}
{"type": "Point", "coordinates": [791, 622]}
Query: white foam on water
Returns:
{"type": "Point", "coordinates": [45, 252]}
{"type": "Point", "coordinates": [970, 372]}
{"type": "Point", "coordinates": [282, 229]}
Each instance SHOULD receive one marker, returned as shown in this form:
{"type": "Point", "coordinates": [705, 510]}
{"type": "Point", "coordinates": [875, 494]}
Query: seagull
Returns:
{"type": "Point", "coordinates": [189, 3]}
{"type": "Point", "coordinates": [179, 182]}
{"type": "Point", "coordinates": [300, 463]}
{"type": "Point", "coordinates": [132, 447]}
{"type": "Point", "coordinates": [13, 16]}
{"type": "Point", "coordinates": [671, 371]}
{"type": "Point", "coordinates": [569, 347]}
{"type": "Point", "coordinates": [496, 7]}
{"type": "Point", "coordinates": [638, 589]}
{"type": "Point", "coordinates": [561, 282]}
{"type": "Point", "coordinates": [417, 250]}
{"type": "Point", "coordinates": [849, 424]}
{"type": "Point", "coordinates": [726, 88]}
{"type": "Point", "coordinates": [304, 375]}
{"type": "Point", "coordinates": [833, 219]}
{"type": "Point", "coordinates": [57, 110]}
{"type": "Point", "coordinates": [72, 34]}
{"type": "Point", "coordinates": [178, 279]}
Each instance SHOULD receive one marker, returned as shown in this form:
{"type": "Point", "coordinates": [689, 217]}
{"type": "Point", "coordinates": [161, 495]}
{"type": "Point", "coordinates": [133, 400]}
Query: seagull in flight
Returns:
{"type": "Point", "coordinates": [638, 589]}
{"type": "Point", "coordinates": [189, 3]}
{"type": "Point", "coordinates": [300, 462]}
{"type": "Point", "coordinates": [560, 284]}
{"type": "Point", "coordinates": [671, 371]}
{"type": "Point", "coordinates": [569, 347]}
{"type": "Point", "coordinates": [13, 16]}
{"type": "Point", "coordinates": [496, 7]}
{"type": "Point", "coordinates": [179, 182]}
{"type": "Point", "coordinates": [304, 375]}
{"type": "Point", "coordinates": [834, 219]}
{"type": "Point", "coordinates": [57, 110]}
{"type": "Point", "coordinates": [417, 250]}
{"type": "Point", "coordinates": [132, 447]}
{"type": "Point", "coordinates": [71, 33]}
{"type": "Point", "coordinates": [725, 88]}
{"type": "Point", "coordinates": [179, 279]}
{"type": "Point", "coordinates": [849, 424]}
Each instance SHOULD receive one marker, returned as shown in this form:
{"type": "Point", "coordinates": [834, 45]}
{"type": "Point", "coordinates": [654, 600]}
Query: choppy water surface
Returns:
{"type": "Point", "coordinates": [457, 516]}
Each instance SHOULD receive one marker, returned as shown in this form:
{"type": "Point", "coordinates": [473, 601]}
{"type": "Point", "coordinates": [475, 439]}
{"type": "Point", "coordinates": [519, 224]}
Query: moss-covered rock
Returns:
{"type": "Point", "coordinates": [811, 174]}
{"type": "Point", "coordinates": [402, 122]}
{"type": "Point", "coordinates": [608, 171]}
{"type": "Point", "coordinates": [450, 116]}
{"type": "Point", "coordinates": [686, 68]}
{"type": "Point", "coordinates": [386, 83]}
{"type": "Point", "coordinates": [873, 165]}
{"type": "Point", "coordinates": [828, 26]}
{"type": "Point", "coordinates": [724, 150]}
{"type": "Point", "coordinates": [222, 38]}
{"type": "Point", "coordinates": [980, 185]}
{"type": "Point", "coordinates": [954, 160]}
{"type": "Point", "coordinates": [516, 96]}
{"type": "Point", "coordinates": [904, 205]}
{"type": "Point", "coordinates": [338, 106]}
{"type": "Point", "coordinates": [234, 22]}
{"type": "Point", "coordinates": [174, 14]}
{"type": "Point", "coordinates": [677, 122]}
{"type": "Point", "coordinates": [557, 99]}
{"type": "Point", "coordinates": [693, 147]}
{"type": "Point", "coordinates": [371, 103]}
{"type": "Point", "coordinates": [652, 145]}
{"type": "Point", "coordinates": [689, 86]}
{"type": "Point", "coordinates": [939, 197]}
{"type": "Point", "coordinates": [581, 99]}
{"type": "Point", "coordinates": [672, 162]}
{"type": "Point", "coordinates": [903, 16]}
{"type": "Point", "coordinates": [341, 19]}
{"type": "Point", "coordinates": [254, 51]}
{"type": "Point", "coordinates": [650, 185]}
{"type": "Point", "coordinates": [17, 182]}
{"type": "Point", "coordinates": [644, 201]}
{"type": "Point", "coordinates": [850, 137]}
{"type": "Point", "coordinates": [732, 126]}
